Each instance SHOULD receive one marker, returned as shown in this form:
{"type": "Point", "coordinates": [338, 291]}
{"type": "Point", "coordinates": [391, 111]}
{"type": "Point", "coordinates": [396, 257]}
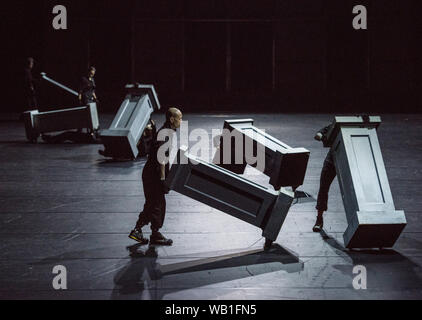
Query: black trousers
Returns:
{"type": "Point", "coordinates": [31, 101]}
{"type": "Point", "coordinates": [155, 201]}
{"type": "Point", "coordinates": [87, 99]}
{"type": "Point", "coordinates": [328, 174]}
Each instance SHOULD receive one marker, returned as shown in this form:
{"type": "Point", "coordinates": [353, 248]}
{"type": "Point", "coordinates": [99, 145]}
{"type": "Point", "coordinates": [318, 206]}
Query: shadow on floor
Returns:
{"type": "Point", "coordinates": [122, 163]}
{"type": "Point", "coordinates": [303, 197]}
{"type": "Point", "coordinates": [239, 259]}
{"type": "Point", "coordinates": [387, 269]}
{"type": "Point", "coordinates": [40, 145]}
{"type": "Point", "coordinates": [133, 278]}
{"type": "Point", "coordinates": [16, 142]}
{"type": "Point", "coordinates": [137, 276]}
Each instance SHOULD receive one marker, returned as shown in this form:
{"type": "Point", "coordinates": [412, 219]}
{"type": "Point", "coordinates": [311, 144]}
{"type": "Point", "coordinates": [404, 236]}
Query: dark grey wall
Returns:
{"type": "Point", "coordinates": [274, 55]}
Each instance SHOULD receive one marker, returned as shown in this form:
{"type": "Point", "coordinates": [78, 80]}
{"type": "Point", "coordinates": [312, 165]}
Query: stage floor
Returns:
{"type": "Point", "coordinates": [65, 205]}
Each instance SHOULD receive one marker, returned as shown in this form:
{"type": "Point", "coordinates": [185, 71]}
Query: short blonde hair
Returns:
{"type": "Point", "coordinates": [172, 112]}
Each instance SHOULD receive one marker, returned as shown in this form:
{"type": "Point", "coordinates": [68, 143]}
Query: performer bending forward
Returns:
{"type": "Point", "coordinates": [153, 177]}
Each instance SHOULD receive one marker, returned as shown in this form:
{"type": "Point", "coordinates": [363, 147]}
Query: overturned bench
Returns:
{"type": "Point", "coordinates": [37, 123]}
{"type": "Point", "coordinates": [286, 166]}
{"type": "Point", "coordinates": [373, 221]}
{"type": "Point", "coordinates": [230, 193]}
{"type": "Point", "coordinates": [122, 139]}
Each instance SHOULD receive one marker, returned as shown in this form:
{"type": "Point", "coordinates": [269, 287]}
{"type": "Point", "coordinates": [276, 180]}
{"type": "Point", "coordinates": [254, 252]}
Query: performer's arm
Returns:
{"type": "Point", "coordinates": [81, 88]}
{"type": "Point", "coordinates": [322, 133]}
{"type": "Point", "coordinates": [165, 189]}
{"type": "Point", "coordinates": [162, 172]}
{"type": "Point", "coordinates": [161, 161]}
{"type": "Point", "coordinates": [29, 80]}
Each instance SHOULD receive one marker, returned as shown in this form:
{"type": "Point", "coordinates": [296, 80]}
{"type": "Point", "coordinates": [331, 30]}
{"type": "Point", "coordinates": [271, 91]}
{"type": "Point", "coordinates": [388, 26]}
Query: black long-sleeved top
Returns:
{"type": "Point", "coordinates": [153, 165]}
{"type": "Point", "coordinates": [29, 83]}
{"type": "Point", "coordinates": [87, 89]}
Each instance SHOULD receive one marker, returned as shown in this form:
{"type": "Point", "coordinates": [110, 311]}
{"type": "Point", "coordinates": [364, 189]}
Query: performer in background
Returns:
{"type": "Point", "coordinates": [87, 88]}
{"type": "Point", "coordinates": [29, 86]}
{"type": "Point", "coordinates": [153, 177]}
{"type": "Point", "coordinates": [328, 174]}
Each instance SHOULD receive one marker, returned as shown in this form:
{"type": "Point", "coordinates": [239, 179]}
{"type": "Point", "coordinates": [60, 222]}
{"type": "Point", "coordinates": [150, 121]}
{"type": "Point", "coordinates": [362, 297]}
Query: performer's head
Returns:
{"type": "Point", "coordinates": [174, 118]}
{"type": "Point", "coordinates": [30, 62]}
{"type": "Point", "coordinates": [91, 72]}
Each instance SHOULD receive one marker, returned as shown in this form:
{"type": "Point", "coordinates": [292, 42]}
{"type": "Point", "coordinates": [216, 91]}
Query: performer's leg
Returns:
{"type": "Point", "coordinates": [159, 212]}
{"type": "Point", "coordinates": [328, 174]}
{"type": "Point", "coordinates": [35, 102]}
{"type": "Point", "coordinates": [31, 102]}
{"type": "Point", "coordinates": [145, 216]}
{"type": "Point", "coordinates": [137, 234]}
{"type": "Point", "coordinates": [157, 219]}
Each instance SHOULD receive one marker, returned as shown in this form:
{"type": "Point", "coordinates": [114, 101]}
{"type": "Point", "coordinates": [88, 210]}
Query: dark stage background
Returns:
{"type": "Point", "coordinates": [235, 55]}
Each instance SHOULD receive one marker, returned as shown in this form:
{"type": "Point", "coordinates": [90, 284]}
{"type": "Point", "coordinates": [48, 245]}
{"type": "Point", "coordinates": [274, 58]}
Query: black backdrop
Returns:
{"type": "Point", "coordinates": [231, 55]}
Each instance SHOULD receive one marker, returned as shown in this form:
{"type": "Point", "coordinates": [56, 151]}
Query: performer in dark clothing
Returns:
{"type": "Point", "coordinates": [328, 174]}
{"type": "Point", "coordinates": [155, 172]}
{"type": "Point", "coordinates": [86, 95]}
{"type": "Point", "coordinates": [87, 88]}
{"type": "Point", "coordinates": [29, 86]}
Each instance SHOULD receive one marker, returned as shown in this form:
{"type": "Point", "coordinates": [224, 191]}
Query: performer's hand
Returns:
{"type": "Point", "coordinates": [148, 131]}
{"type": "Point", "coordinates": [318, 136]}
